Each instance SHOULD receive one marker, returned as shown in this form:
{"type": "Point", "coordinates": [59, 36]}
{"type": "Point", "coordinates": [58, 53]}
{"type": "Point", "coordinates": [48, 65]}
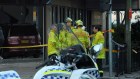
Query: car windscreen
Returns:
{"type": "Point", "coordinates": [23, 30]}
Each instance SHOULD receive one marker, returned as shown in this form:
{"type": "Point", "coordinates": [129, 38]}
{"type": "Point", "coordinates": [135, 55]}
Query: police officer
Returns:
{"type": "Point", "coordinates": [81, 34]}
{"type": "Point", "coordinates": [99, 39]}
{"type": "Point", "coordinates": [71, 39]}
{"type": "Point", "coordinates": [53, 47]}
{"type": "Point", "coordinates": [63, 36]}
{"type": "Point", "coordinates": [69, 24]}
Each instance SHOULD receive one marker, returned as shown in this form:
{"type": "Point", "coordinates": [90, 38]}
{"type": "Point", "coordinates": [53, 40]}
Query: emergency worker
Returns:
{"type": "Point", "coordinates": [63, 36]}
{"type": "Point", "coordinates": [99, 39]}
{"type": "Point", "coordinates": [53, 47]}
{"type": "Point", "coordinates": [82, 35]}
{"type": "Point", "coordinates": [70, 34]}
{"type": "Point", "coordinates": [69, 24]}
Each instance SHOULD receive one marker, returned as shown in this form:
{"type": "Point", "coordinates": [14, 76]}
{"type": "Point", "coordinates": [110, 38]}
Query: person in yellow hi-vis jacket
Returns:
{"type": "Point", "coordinates": [69, 24]}
{"type": "Point", "coordinates": [53, 47]}
{"type": "Point", "coordinates": [82, 35]}
{"type": "Point", "coordinates": [63, 36]}
{"type": "Point", "coordinates": [70, 30]}
{"type": "Point", "coordinates": [99, 39]}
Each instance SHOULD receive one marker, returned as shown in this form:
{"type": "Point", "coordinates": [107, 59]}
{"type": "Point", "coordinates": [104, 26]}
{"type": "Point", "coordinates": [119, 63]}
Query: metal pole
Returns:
{"type": "Point", "coordinates": [128, 36]}
{"type": "Point", "coordinates": [44, 33]}
{"type": "Point", "coordinates": [110, 39]}
{"type": "Point", "coordinates": [46, 22]}
{"type": "Point", "coordinates": [39, 23]}
{"type": "Point", "coordinates": [118, 18]}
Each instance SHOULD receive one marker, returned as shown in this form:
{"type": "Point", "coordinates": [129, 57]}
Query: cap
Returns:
{"type": "Point", "coordinates": [68, 19]}
{"type": "Point", "coordinates": [79, 22]}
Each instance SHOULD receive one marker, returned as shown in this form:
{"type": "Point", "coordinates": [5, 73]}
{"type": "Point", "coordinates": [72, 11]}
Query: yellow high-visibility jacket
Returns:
{"type": "Point", "coordinates": [99, 39]}
{"type": "Point", "coordinates": [83, 36]}
{"type": "Point", "coordinates": [72, 28]}
{"type": "Point", "coordinates": [71, 39]}
{"type": "Point", "coordinates": [53, 43]}
{"type": "Point", "coordinates": [63, 39]}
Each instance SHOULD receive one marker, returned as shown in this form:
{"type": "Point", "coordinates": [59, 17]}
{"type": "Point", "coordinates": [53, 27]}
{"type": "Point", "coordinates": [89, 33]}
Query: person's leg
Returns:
{"type": "Point", "coordinates": [100, 66]}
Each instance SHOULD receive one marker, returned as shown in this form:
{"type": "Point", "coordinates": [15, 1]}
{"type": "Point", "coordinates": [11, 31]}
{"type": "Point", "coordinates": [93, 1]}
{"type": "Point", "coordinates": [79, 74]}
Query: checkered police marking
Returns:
{"type": "Point", "coordinates": [9, 75]}
{"type": "Point", "coordinates": [54, 77]}
{"type": "Point", "coordinates": [58, 69]}
{"type": "Point", "coordinates": [57, 73]}
{"type": "Point", "coordinates": [93, 73]}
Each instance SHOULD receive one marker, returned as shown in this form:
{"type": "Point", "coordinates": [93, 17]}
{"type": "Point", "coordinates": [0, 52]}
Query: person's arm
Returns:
{"type": "Point", "coordinates": [87, 40]}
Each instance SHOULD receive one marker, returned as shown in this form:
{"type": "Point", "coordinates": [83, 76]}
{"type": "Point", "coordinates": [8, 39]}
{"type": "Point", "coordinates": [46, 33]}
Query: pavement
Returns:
{"type": "Point", "coordinates": [132, 75]}
{"type": "Point", "coordinates": [26, 69]}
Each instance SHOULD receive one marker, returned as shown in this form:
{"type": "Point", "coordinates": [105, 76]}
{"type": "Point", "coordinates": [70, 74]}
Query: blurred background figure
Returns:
{"type": "Point", "coordinates": [53, 47]}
